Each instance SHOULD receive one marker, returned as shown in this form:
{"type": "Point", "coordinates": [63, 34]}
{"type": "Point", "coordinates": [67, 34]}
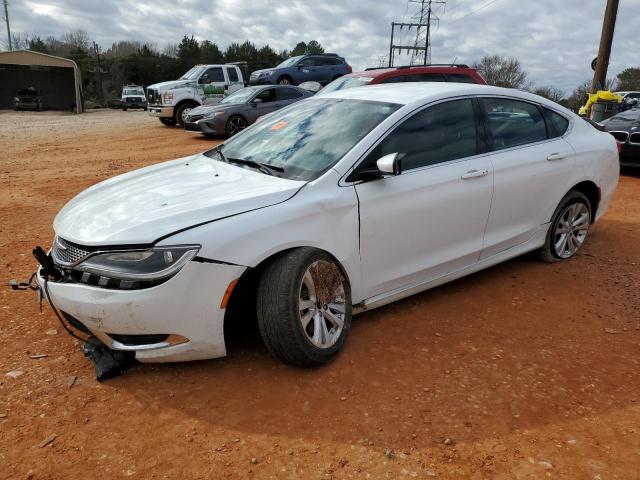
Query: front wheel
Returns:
{"type": "Point", "coordinates": [285, 80]}
{"type": "Point", "coordinates": [180, 112]}
{"type": "Point", "coordinates": [304, 307]}
{"type": "Point", "coordinates": [569, 228]}
{"type": "Point", "coordinates": [235, 125]}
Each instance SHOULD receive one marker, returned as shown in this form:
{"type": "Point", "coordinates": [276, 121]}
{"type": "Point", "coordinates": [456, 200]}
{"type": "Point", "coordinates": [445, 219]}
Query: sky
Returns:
{"type": "Point", "coordinates": [554, 40]}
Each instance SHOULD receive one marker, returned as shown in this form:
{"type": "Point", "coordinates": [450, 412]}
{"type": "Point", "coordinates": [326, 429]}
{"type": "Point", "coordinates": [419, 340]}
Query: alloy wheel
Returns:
{"type": "Point", "coordinates": [236, 125]}
{"type": "Point", "coordinates": [571, 230]}
{"type": "Point", "coordinates": [321, 303]}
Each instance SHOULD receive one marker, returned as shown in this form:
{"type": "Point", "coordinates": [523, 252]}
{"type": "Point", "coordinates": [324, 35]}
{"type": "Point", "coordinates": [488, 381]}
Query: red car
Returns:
{"type": "Point", "coordinates": [429, 73]}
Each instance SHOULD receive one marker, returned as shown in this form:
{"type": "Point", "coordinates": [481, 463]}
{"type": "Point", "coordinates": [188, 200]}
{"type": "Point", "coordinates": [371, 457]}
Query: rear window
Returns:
{"type": "Point", "coordinates": [233, 75]}
{"type": "Point", "coordinates": [512, 122]}
{"type": "Point", "coordinates": [459, 78]}
{"type": "Point", "coordinates": [557, 124]}
{"type": "Point", "coordinates": [346, 82]}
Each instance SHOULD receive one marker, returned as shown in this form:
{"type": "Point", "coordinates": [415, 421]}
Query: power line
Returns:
{"type": "Point", "coordinates": [473, 11]}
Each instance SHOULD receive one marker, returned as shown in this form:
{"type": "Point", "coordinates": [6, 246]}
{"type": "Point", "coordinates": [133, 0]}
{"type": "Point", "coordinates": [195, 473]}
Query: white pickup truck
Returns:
{"type": "Point", "coordinates": [203, 84]}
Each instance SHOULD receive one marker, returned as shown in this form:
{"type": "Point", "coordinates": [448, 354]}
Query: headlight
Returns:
{"type": "Point", "coordinates": [167, 98]}
{"type": "Point", "coordinates": [268, 73]}
{"type": "Point", "coordinates": [212, 114]}
{"type": "Point", "coordinates": [144, 265]}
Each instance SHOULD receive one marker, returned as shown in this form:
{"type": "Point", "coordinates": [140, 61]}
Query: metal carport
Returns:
{"type": "Point", "coordinates": [58, 79]}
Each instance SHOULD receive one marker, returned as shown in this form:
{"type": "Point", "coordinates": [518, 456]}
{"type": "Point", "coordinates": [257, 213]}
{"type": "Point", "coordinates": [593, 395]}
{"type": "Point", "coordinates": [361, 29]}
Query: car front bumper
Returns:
{"type": "Point", "coordinates": [162, 112]}
{"type": "Point", "coordinates": [207, 126]}
{"type": "Point", "coordinates": [630, 155]}
{"type": "Point", "coordinates": [185, 307]}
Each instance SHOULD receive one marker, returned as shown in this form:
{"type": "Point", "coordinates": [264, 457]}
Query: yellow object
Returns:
{"type": "Point", "coordinates": [599, 96]}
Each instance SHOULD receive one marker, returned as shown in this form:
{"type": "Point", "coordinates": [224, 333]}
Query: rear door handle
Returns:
{"type": "Point", "coordinates": [556, 156]}
{"type": "Point", "coordinates": [474, 174]}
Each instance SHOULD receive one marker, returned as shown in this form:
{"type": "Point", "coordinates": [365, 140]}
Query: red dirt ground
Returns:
{"type": "Point", "coordinates": [530, 370]}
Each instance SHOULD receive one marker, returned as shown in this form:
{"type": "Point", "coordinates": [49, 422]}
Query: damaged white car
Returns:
{"type": "Point", "coordinates": [332, 206]}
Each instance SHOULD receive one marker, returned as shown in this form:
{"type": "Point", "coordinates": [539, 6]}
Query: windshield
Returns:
{"type": "Point", "coordinates": [133, 91]}
{"type": "Point", "coordinates": [310, 137]}
{"type": "Point", "coordinates": [345, 82]}
{"type": "Point", "coordinates": [240, 96]}
{"type": "Point", "coordinates": [289, 62]}
{"type": "Point", "coordinates": [192, 74]}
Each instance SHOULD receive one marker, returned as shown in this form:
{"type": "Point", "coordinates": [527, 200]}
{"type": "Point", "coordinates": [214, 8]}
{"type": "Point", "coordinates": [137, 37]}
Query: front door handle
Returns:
{"type": "Point", "coordinates": [474, 174]}
{"type": "Point", "coordinates": [556, 156]}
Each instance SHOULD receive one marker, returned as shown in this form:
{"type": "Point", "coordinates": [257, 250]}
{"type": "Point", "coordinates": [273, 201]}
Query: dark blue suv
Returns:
{"type": "Point", "coordinates": [322, 68]}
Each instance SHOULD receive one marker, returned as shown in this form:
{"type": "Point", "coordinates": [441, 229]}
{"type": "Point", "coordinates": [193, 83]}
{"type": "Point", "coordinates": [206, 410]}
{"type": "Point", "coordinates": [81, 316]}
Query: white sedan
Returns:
{"type": "Point", "coordinates": [330, 207]}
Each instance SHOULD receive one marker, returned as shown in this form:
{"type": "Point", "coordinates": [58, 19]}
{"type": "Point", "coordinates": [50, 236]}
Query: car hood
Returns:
{"type": "Point", "coordinates": [163, 86]}
{"type": "Point", "coordinates": [142, 206]}
{"type": "Point", "coordinates": [623, 121]}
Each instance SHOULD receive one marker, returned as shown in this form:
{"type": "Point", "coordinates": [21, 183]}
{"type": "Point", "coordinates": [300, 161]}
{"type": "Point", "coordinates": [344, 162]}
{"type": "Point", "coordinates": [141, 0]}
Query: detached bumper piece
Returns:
{"type": "Point", "coordinates": [108, 363]}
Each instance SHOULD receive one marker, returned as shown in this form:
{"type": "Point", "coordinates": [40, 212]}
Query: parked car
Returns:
{"type": "Point", "coordinates": [431, 73]}
{"type": "Point", "coordinates": [332, 206]}
{"type": "Point", "coordinates": [241, 109]}
{"type": "Point", "coordinates": [28, 99]}
{"type": "Point", "coordinates": [202, 85]}
{"type": "Point", "coordinates": [625, 128]}
{"type": "Point", "coordinates": [304, 68]}
{"type": "Point", "coordinates": [133, 97]}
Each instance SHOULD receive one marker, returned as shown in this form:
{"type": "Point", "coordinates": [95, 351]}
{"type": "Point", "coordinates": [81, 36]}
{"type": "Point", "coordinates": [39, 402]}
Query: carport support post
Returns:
{"type": "Point", "coordinates": [6, 17]}
{"type": "Point", "coordinates": [606, 39]}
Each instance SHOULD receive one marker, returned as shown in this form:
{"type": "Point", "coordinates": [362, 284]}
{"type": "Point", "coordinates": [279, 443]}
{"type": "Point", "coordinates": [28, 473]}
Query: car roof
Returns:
{"type": "Point", "coordinates": [393, 71]}
{"type": "Point", "coordinates": [419, 92]}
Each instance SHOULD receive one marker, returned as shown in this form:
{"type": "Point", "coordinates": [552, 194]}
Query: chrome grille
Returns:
{"type": "Point", "coordinates": [66, 253]}
{"type": "Point", "coordinates": [620, 136]}
{"type": "Point", "coordinates": [153, 96]}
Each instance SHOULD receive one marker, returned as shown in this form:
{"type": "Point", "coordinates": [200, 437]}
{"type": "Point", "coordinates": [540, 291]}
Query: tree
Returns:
{"type": "Point", "coordinates": [299, 49]}
{"type": "Point", "coordinates": [629, 79]}
{"type": "Point", "coordinates": [502, 72]}
{"type": "Point", "coordinates": [552, 93]}
{"type": "Point", "coordinates": [314, 48]}
{"type": "Point", "coordinates": [36, 44]}
{"type": "Point", "coordinates": [188, 52]}
{"type": "Point", "coordinates": [210, 53]}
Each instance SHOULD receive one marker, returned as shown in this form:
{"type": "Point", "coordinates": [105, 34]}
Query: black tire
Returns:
{"type": "Point", "coordinates": [285, 80]}
{"type": "Point", "coordinates": [169, 122]}
{"type": "Point", "coordinates": [548, 252]}
{"type": "Point", "coordinates": [177, 115]}
{"type": "Point", "coordinates": [145, 109]}
{"type": "Point", "coordinates": [278, 309]}
{"type": "Point", "coordinates": [124, 109]}
{"type": "Point", "coordinates": [235, 124]}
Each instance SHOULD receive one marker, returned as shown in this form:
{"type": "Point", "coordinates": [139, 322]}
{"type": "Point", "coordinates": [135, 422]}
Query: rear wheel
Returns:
{"type": "Point", "coordinates": [169, 122]}
{"type": "Point", "coordinates": [235, 124]}
{"type": "Point", "coordinates": [569, 228]}
{"type": "Point", "coordinates": [124, 109]}
{"type": "Point", "coordinates": [304, 307]}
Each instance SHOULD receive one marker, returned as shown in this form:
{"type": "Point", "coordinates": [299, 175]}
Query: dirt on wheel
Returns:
{"type": "Point", "coordinates": [522, 371]}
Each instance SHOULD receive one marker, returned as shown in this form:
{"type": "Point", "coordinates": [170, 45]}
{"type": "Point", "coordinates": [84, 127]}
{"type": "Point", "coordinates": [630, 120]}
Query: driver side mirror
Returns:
{"type": "Point", "coordinates": [256, 101]}
{"type": "Point", "coordinates": [388, 165]}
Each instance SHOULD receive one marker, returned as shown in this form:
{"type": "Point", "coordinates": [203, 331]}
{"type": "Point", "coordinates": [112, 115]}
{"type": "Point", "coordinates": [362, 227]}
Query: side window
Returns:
{"type": "Point", "coordinates": [215, 74]}
{"type": "Point", "coordinates": [437, 134]}
{"type": "Point", "coordinates": [268, 95]}
{"type": "Point", "coordinates": [394, 79]}
{"type": "Point", "coordinates": [459, 78]}
{"type": "Point", "coordinates": [557, 123]}
{"type": "Point", "coordinates": [512, 122]}
{"type": "Point", "coordinates": [306, 62]}
{"type": "Point", "coordinates": [285, 93]}
{"type": "Point", "coordinates": [425, 77]}
{"type": "Point", "coordinates": [233, 74]}
{"type": "Point", "coordinates": [333, 61]}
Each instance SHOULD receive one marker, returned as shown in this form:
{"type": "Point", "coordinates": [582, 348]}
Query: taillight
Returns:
{"type": "Point", "coordinates": [349, 69]}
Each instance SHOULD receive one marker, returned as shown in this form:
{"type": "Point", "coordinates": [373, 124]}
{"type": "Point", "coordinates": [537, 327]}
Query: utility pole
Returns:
{"type": "Point", "coordinates": [6, 17]}
{"type": "Point", "coordinates": [96, 49]}
{"type": "Point", "coordinates": [606, 39]}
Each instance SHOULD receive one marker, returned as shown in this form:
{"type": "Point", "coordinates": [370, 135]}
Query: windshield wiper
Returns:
{"type": "Point", "coordinates": [262, 167]}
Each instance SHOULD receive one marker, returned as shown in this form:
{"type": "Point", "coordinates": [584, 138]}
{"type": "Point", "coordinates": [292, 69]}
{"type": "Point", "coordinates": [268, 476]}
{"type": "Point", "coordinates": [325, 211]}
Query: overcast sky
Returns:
{"type": "Point", "coordinates": [554, 40]}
